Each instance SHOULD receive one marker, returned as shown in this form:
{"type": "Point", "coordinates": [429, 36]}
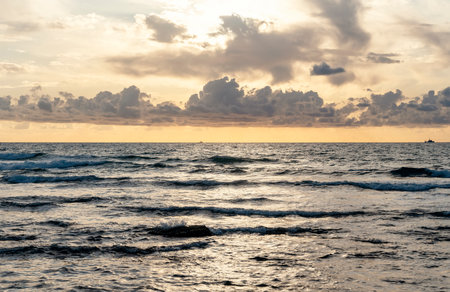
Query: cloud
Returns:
{"type": "Point", "coordinates": [164, 30]}
{"type": "Point", "coordinates": [382, 58]}
{"type": "Point", "coordinates": [344, 16]}
{"type": "Point", "coordinates": [223, 102]}
{"type": "Point", "coordinates": [247, 49]}
{"type": "Point", "coordinates": [44, 104]}
{"type": "Point", "coordinates": [21, 26]}
{"type": "Point", "coordinates": [5, 103]}
{"type": "Point", "coordinates": [342, 78]}
{"type": "Point", "coordinates": [386, 109]}
{"type": "Point", "coordinates": [11, 68]}
{"type": "Point", "coordinates": [325, 69]}
{"type": "Point", "coordinates": [336, 76]}
{"type": "Point", "coordinates": [431, 35]}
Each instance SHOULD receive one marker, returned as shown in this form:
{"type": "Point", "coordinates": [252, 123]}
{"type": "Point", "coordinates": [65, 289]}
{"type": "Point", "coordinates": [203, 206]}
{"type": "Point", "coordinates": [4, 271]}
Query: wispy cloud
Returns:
{"type": "Point", "coordinates": [382, 58]}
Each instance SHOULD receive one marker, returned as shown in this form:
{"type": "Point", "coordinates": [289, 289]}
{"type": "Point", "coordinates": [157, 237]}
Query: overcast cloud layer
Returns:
{"type": "Point", "coordinates": [335, 51]}
{"type": "Point", "coordinates": [223, 102]}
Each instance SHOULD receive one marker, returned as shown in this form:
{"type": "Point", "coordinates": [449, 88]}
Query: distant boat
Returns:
{"type": "Point", "coordinates": [429, 141]}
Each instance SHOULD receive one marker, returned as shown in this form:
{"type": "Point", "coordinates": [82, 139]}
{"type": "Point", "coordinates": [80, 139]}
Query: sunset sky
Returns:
{"type": "Point", "coordinates": [224, 71]}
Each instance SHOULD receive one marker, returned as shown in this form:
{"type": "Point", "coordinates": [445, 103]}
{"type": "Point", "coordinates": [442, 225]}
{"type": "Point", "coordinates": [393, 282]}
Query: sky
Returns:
{"type": "Point", "coordinates": [224, 71]}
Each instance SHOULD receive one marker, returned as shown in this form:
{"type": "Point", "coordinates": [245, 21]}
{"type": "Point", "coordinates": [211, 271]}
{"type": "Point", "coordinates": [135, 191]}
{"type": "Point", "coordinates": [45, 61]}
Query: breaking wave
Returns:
{"type": "Point", "coordinates": [174, 210]}
{"type": "Point", "coordinates": [182, 230]}
{"type": "Point", "coordinates": [19, 156]}
{"type": "Point", "coordinates": [412, 172]}
{"type": "Point", "coordinates": [377, 186]}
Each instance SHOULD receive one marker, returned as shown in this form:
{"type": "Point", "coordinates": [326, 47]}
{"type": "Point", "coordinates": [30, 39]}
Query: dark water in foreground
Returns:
{"type": "Point", "coordinates": [219, 217]}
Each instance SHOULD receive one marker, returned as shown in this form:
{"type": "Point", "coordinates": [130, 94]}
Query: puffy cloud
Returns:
{"type": "Point", "coordinates": [386, 109]}
{"type": "Point", "coordinates": [45, 104]}
{"type": "Point", "coordinates": [164, 30]}
{"type": "Point", "coordinates": [325, 69]}
{"type": "Point", "coordinates": [344, 16]}
{"type": "Point", "coordinates": [223, 102]}
{"type": "Point", "coordinates": [382, 58]}
{"type": "Point", "coordinates": [5, 103]}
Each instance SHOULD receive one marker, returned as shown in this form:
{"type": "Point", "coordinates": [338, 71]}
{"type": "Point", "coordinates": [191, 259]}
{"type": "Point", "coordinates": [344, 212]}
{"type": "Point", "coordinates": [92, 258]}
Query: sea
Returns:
{"type": "Point", "coordinates": [225, 217]}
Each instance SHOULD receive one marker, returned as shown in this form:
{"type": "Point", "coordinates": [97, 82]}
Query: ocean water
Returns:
{"type": "Point", "coordinates": [225, 217]}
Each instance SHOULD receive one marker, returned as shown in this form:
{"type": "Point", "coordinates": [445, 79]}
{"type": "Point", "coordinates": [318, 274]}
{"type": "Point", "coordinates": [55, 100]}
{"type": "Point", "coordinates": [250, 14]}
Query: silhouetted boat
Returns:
{"type": "Point", "coordinates": [429, 141]}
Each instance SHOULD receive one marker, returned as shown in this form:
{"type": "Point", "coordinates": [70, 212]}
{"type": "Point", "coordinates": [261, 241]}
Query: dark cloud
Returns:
{"type": "Point", "coordinates": [223, 102]}
{"type": "Point", "coordinates": [325, 69]}
{"type": "Point", "coordinates": [336, 76]}
{"type": "Point", "coordinates": [344, 16]}
{"type": "Point", "coordinates": [5, 103]}
{"type": "Point", "coordinates": [248, 49]}
{"type": "Point", "coordinates": [382, 58]}
{"type": "Point", "coordinates": [164, 30]}
{"type": "Point", "coordinates": [393, 108]}
{"type": "Point", "coordinates": [45, 104]}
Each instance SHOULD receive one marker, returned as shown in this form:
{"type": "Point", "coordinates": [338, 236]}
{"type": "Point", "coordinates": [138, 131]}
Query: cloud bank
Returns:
{"type": "Point", "coordinates": [223, 102]}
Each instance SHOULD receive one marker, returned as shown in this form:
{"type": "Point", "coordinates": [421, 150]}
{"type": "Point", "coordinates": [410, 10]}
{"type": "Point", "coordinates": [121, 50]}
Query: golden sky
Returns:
{"type": "Point", "coordinates": [231, 71]}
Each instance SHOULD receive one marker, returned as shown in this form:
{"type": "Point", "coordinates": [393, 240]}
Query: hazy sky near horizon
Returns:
{"type": "Point", "coordinates": [316, 64]}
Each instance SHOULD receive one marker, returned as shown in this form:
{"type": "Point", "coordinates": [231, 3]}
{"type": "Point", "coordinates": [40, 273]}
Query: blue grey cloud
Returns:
{"type": "Point", "coordinates": [223, 102]}
{"type": "Point", "coordinates": [325, 69]}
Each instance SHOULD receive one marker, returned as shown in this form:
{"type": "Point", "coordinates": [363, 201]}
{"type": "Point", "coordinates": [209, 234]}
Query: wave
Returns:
{"type": "Point", "coordinates": [377, 186]}
{"type": "Point", "coordinates": [19, 156]}
{"type": "Point", "coordinates": [50, 164]}
{"type": "Point", "coordinates": [412, 172]}
{"type": "Point", "coordinates": [57, 223]}
{"type": "Point", "coordinates": [10, 204]}
{"type": "Point", "coordinates": [418, 213]}
{"type": "Point", "coordinates": [183, 230]}
{"type": "Point", "coordinates": [160, 165]}
{"type": "Point", "coordinates": [202, 183]}
{"type": "Point", "coordinates": [133, 157]}
{"type": "Point", "coordinates": [250, 200]}
{"type": "Point", "coordinates": [63, 251]}
{"type": "Point", "coordinates": [231, 159]}
{"type": "Point", "coordinates": [24, 179]}
{"type": "Point", "coordinates": [21, 237]}
{"type": "Point", "coordinates": [203, 169]}
{"type": "Point", "coordinates": [175, 210]}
